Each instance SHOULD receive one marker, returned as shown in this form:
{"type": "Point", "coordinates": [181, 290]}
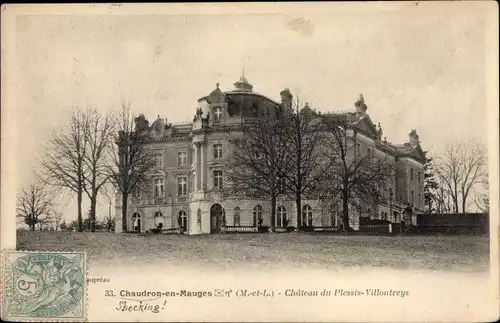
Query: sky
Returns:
{"type": "Point", "coordinates": [417, 66]}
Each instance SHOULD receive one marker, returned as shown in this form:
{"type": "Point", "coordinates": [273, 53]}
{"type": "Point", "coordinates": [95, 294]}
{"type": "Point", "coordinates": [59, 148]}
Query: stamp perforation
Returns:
{"type": "Point", "coordinates": [82, 302]}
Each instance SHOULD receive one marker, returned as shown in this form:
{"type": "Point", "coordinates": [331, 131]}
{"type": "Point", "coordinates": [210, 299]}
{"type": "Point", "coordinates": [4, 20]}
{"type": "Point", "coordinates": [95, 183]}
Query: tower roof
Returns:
{"type": "Point", "coordinates": [242, 84]}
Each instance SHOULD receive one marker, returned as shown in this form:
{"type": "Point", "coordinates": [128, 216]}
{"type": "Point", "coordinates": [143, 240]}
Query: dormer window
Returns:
{"type": "Point", "coordinates": [217, 114]}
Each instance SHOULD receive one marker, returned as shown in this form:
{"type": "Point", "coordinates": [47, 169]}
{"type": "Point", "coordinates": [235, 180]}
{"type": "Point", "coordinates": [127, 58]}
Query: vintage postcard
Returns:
{"type": "Point", "coordinates": [250, 162]}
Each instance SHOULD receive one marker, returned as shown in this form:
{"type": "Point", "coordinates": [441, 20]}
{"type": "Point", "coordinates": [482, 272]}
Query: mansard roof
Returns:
{"type": "Point", "coordinates": [412, 151]}
{"type": "Point", "coordinates": [366, 126]}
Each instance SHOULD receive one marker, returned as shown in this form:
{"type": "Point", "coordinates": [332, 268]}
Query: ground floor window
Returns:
{"type": "Point", "coordinates": [158, 220]}
{"type": "Point", "coordinates": [333, 220]}
{"type": "Point", "coordinates": [281, 220]}
{"type": "Point", "coordinates": [236, 219]}
{"type": "Point", "coordinates": [307, 215]}
{"type": "Point", "coordinates": [257, 215]}
{"type": "Point", "coordinates": [182, 219]}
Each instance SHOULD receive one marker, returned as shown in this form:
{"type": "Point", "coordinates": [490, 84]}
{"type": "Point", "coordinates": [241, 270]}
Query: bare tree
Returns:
{"type": "Point", "coordinates": [64, 162]}
{"type": "Point", "coordinates": [352, 176]}
{"type": "Point", "coordinates": [482, 197]}
{"type": "Point", "coordinates": [442, 200]}
{"type": "Point", "coordinates": [35, 205]}
{"type": "Point", "coordinates": [460, 169]}
{"type": "Point", "coordinates": [109, 220]}
{"type": "Point", "coordinates": [305, 166]}
{"type": "Point", "coordinates": [99, 134]}
{"type": "Point", "coordinates": [132, 161]}
{"type": "Point", "coordinates": [55, 220]}
{"type": "Point", "coordinates": [257, 162]}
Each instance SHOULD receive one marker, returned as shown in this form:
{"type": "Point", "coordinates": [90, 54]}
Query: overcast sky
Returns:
{"type": "Point", "coordinates": [417, 67]}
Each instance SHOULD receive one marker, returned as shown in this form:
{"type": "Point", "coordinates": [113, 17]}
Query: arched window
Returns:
{"type": "Point", "coordinates": [158, 219]}
{"type": "Point", "coordinates": [281, 218]}
{"type": "Point", "coordinates": [333, 220]}
{"type": "Point", "coordinates": [182, 219]}
{"type": "Point", "coordinates": [136, 222]}
{"type": "Point", "coordinates": [237, 216]}
{"type": "Point", "coordinates": [307, 215]}
{"type": "Point", "coordinates": [257, 215]}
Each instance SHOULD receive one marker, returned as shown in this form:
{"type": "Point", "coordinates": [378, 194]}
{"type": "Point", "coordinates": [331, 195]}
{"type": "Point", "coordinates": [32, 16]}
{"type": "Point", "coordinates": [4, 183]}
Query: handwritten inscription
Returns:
{"type": "Point", "coordinates": [139, 306]}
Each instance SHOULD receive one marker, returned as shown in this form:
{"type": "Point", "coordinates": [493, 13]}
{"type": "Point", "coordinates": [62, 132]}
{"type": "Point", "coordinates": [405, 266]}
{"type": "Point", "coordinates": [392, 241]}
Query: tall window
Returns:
{"type": "Point", "coordinates": [217, 114]}
{"type": "Point", "coordinates": [217, 151]}
{"type": "Point", "coordinates": [217, 179]}
{"type": "Point", "coordinates": [281, 217]}
{"type": "Point", "coordinates": [182, 158]}
{"type": "Point", "coordinates": [412, 197]}
{"type": "Point", "coordinates": [181, 186]}
{"type": "Point", "coordinates": [182, 219]}
{"type": "Point", "coordinates": [411, 174]}
{"type": "Point", "coordinates": [419, 176]}
{"type": "Point", "coordinates": [333, 216]}
{"type": "Point", "coordinates": [307, 215]}
{"type": "Point", "coordinates": [359, 148]}
{"type": "Point", "coordinates": [419, 200]}
{"type": "Point", "coordinates": [158, 160]}
{"type": "Point", "coordinates": [257, 215]}
{"type": "Point", "coordinates": [237, 216]}
{"type": "Point", "coordinates": [158, 219]}
{"type": "Point", "coordinates": [158, 187]}
{"type": "Point", "coordinates": [369, 152]}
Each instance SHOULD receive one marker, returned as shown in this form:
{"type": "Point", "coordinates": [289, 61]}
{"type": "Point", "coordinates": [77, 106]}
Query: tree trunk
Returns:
{"type": "Point", "coordinates": [80, 218]}
{"type": "Point", "coordinates": [93, 204]}
{"type": "Point", "coordinates": [32, 227]}
{"type": "Point", "coordinates": [273, 211]}
{"type": "Point", "coordinates": [298, 203]}
{"type": "Point", "coordinates": [345, 211]}
{"type": "Point", "coordinates": [124, 211]}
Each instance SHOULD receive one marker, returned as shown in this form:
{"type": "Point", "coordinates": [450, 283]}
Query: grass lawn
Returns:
{"type": "Point", "coordinates": [456, 253]}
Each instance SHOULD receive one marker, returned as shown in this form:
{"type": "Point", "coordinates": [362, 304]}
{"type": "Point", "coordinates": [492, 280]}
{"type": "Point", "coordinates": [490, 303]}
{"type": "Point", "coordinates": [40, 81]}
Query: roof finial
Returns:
{"type": "Point", "coordinates": [217, 84]}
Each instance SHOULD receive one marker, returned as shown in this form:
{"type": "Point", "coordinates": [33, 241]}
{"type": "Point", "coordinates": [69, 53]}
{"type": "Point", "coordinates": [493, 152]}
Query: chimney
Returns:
{"type": "Point", "coordinates": [286, 98]}
{"type": "Point", "coordinates": [360, 106]}
{"type": "Point", "coordinates": [414, 140]}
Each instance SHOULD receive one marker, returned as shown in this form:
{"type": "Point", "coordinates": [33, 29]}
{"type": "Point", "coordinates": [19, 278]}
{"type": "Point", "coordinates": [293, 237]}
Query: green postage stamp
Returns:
{"type": "Point", "coordinates": [44, 286]}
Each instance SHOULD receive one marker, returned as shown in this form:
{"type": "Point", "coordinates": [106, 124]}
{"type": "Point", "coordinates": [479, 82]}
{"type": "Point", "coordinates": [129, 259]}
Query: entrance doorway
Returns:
{"type": "Point", "coordinates": [215, 218]}
{"type": "Point", "coordinates": [136, 222]}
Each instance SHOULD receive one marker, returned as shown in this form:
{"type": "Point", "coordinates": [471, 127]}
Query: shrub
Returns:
{"type": "Point", "coordinates": [263, 228]}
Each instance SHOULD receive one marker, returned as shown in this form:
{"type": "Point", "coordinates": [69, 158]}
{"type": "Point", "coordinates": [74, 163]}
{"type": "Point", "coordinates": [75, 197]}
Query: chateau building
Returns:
{"type": "Point", "coordinates": [185, 188]}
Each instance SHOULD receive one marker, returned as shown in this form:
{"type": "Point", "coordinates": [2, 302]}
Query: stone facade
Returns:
{"type": "Point", "coordinates": [182, 191]}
